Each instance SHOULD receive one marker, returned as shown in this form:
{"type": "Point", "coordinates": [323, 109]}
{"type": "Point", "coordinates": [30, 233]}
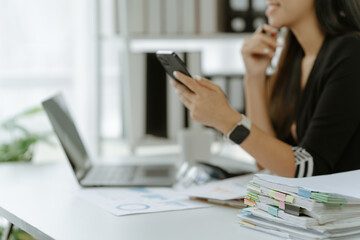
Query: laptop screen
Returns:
{"type": "Point", "coordinates": [67, 133]}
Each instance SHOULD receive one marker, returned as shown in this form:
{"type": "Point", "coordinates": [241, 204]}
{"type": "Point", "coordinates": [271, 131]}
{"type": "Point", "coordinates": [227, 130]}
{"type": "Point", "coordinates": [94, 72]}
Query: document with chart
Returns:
{"type": "Point", "coordinates": [126, 201]}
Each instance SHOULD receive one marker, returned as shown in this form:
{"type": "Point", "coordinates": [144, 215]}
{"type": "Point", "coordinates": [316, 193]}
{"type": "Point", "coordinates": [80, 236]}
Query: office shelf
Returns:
{"type": "Point", "coordinates": [132, 49]}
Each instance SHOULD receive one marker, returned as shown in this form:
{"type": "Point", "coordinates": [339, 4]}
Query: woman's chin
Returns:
{"type": "Point", "coordinates": [275, 24]}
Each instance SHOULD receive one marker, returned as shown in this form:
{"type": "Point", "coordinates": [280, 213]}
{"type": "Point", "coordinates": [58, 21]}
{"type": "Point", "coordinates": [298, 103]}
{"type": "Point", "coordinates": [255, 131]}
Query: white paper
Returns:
{"type": "Point", "coordinates": [265, 221]}
{"type": "Point", "coordinates": [126, 201]}
{"type": "Point", "coordinates": [232, 188]}
{"type": "Point", "coordinates": [345, 184]}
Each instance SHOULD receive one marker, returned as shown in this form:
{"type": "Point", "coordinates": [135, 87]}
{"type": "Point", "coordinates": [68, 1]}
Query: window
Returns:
{"type": "Point", "coordinates": [48, 47]}
{"type": "Point", "coordinates": [35, 52]}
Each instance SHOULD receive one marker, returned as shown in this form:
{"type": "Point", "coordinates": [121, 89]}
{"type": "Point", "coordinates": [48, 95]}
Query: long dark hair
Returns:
{"type": "Point", "coordinates": [336, 17]}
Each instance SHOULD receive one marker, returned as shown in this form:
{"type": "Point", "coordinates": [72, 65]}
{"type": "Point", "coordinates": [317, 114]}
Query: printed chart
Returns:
{"type": "Point", "coordinates": [127, 201]}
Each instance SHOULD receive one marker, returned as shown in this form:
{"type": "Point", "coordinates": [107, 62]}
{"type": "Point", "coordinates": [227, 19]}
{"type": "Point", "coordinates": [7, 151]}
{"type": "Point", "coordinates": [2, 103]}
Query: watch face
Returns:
{"type": "Point", "coordinates": [239, 134]}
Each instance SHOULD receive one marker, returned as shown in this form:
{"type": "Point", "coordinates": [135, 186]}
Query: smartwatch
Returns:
{"type": "Point", "coordinates": [241, 130]}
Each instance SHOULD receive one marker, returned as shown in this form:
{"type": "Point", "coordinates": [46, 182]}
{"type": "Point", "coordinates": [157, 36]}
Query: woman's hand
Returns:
{"type": "Point", "coordinates": [258, 51]}
{"type": "Point", "coordinates": [207, 102]}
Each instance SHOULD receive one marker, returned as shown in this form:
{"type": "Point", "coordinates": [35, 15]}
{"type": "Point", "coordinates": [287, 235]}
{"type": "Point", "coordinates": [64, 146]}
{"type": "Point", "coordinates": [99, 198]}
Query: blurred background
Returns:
{"type": "Point", "coordinates": [100, 55]}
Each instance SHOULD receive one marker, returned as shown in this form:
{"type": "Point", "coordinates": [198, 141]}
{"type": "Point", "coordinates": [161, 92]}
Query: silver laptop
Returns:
{"type": "Point", "coordinates": [89, 174]}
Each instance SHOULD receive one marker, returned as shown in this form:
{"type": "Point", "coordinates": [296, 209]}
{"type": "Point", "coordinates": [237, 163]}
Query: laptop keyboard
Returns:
{"type": "Point", "coordinates": [110, 174]}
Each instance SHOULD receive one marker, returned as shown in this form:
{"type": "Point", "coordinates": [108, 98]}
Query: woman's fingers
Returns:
{"type": "Point", "coordinates": [260, 45]}
{"type": "Point", "coordinates": [259, 29]}
{"type": "Point", "coordinates": [187, 81]}
{"type": "Point", "coordinates": [262, 50]}
{"type": "Point", "coordinates": [182, 88]}
{"type": "Point", "coordinates": [270, 42]}
{"type": "Point", "coordinates": [184, 93]}
{"type": "Point", "coordinates": [258, 50]}
{"type": "Point", "coordinates": [266, 35]}
{"type": "Point", "coordinates": [270, 30]}
{"type": "Point", "coordinates": [187, 102]}
{"type": "Point", "coordinates": [206, 83]}
{"type": "Point", "coordinates": [207, 105]}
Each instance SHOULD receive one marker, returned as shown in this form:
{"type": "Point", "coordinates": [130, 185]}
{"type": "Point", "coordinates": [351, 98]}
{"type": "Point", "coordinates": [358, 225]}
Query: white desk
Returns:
{"type": "Point", "coordinates": [40, 200]}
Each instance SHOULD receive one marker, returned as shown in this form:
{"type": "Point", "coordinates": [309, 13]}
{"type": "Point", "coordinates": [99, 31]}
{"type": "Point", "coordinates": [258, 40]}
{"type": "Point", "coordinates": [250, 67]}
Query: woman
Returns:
{"type": "Point", "coordinates": [305, 119]}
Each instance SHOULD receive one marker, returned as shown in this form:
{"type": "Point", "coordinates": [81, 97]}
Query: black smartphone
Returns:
{"type": "Point", "coordinates": [172, 62]}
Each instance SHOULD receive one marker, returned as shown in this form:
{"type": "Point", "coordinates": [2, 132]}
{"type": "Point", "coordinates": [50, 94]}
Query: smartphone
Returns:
{"type": "Point", "coordinates": [172, 62]}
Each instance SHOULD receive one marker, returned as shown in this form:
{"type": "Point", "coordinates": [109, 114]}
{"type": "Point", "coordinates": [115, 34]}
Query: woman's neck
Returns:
{"type": "Point", "coordinates": [309, 35]}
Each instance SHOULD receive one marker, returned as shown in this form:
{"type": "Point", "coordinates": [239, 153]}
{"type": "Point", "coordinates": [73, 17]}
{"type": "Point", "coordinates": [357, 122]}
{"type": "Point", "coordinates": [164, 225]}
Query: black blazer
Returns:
{"type": "Point", "coordinates": [328, 120]}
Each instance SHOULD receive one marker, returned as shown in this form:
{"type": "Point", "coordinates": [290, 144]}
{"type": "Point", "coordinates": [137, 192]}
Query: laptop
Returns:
{"type": "Point", "coordinates": [89, 174]}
